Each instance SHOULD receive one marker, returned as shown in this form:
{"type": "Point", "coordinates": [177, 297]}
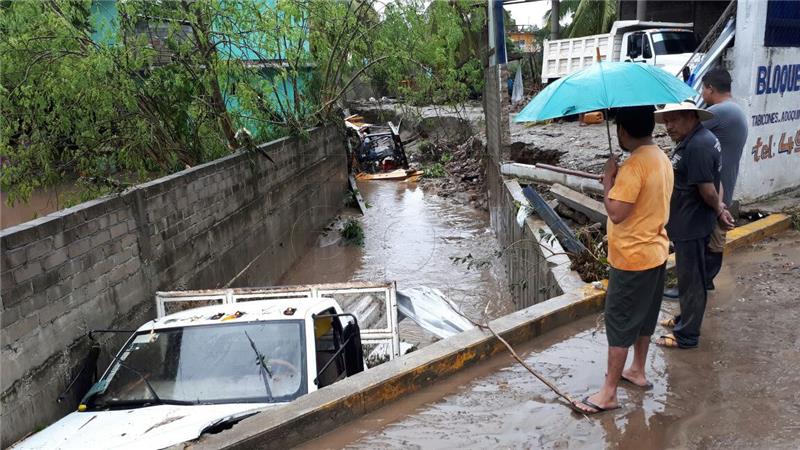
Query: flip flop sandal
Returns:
{"type": "Point", "coordinates": [597, 409]}
{"type": "Point", "coordinates": [668, 323]}
{"type": "Point", "coordinates": [646, 387]}
{"type": "Point", "coordinates": [668, 341]}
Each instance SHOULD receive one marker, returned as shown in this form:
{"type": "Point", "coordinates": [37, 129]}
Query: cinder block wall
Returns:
{"type": "Point", "coordinates": [529, 268]}
{"type": "Point", "coordinates": [240, 220]}
{"type": "Point", "coordinates": [495, 108]}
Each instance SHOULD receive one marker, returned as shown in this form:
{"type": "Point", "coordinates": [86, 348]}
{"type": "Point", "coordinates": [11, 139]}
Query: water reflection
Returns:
{"type": "Point", "coordinates": [410, 238]}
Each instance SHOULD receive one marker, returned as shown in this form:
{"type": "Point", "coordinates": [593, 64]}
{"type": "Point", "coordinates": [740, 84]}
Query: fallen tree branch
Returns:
{"type": "Point", "coordinates": [570, 401]}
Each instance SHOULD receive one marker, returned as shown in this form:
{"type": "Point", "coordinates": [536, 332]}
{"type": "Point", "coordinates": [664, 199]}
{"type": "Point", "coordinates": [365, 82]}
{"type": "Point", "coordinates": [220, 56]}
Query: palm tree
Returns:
{"type": "Point", "coordinates": [592, 17]}
{"type": "Point", "coordinates": [588, 16]}
{"type": "Point", "coordinates": [564, 8]}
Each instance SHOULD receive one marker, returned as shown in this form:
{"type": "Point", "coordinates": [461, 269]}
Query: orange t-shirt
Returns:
{"type": "Point", "coordinates": [640, 241]}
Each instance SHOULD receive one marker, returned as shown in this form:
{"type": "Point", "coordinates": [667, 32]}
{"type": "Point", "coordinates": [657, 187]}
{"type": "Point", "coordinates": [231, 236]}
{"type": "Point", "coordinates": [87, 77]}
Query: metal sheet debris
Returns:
{"type": "Point", "coordinates": [431, 310]}
{"type": "Point", "coordinates": [564, 234]}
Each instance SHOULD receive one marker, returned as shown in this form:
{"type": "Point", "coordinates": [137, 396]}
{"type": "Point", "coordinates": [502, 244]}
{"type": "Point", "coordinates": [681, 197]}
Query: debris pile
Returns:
{"type": "Point", "coordinates": [464, 172]}
{"type": "Point", "coordinates": [565, 210]}
{"type": "Point", "coordinates": [526, 153]}
{"type": "Point", "coordinates": [591, 265]}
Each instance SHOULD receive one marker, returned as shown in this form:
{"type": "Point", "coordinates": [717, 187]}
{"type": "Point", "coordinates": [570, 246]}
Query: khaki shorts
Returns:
{"type": "Point", "coordinates": [717, 242]}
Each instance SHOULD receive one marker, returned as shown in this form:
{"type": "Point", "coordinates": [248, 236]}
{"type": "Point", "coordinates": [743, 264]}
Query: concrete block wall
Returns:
{"type": "Point", "coordinates": [531, 266]}
{"type": "Point", "coordinates": [236, 221]}
{"type": "Point", "coordinates": [536, 267]}
{"type": "Point", "coordinates": [766, 86]}
{"type": "Point", "coordinates": [495, 106]}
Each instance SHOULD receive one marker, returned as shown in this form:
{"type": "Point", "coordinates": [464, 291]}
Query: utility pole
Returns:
{"type": "Point", "coordinates": [641, 9]}
{"type": "Point", "coordinates": [554, 13]}
{"type": "Point", "coordinates": [497, 33]}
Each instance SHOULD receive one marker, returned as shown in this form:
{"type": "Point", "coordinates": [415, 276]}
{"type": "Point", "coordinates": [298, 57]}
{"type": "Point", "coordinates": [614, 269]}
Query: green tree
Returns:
{"type": "Point", "coordinates": [592, 17]}
{"type": "Point", "coordinates": [174, 81]}
{"type": "Point", "coordinates": [436, 50]}
{"type": "Point", "coordinates": [101, 113]}
{"type": "Point", "coordinates": [588, 17]}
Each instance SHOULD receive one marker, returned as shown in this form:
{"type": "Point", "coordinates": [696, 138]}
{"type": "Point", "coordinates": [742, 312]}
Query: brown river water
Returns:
{"type": "Point", "coordinates": [410, 238]}
{"type": "Point", "coordinates": [41, 203]}
{"type": "Point", "coordinates": [738, 390]}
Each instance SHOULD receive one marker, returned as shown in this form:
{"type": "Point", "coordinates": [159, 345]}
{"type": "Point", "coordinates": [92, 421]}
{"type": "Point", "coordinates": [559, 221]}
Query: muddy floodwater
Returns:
{"type": "Point", "coordinates": [411, 237]}
{"type": "Point", "coordinates": [739, 389]}
{"type": "Point", "coordinates": [41, 203]}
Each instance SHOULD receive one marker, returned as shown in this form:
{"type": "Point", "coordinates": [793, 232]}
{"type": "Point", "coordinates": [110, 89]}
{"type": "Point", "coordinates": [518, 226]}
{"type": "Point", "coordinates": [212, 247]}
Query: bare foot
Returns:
{"type": "Point", "coordinates": [595, 404]}
{"type": "Point", "coordinates": [635, 377]}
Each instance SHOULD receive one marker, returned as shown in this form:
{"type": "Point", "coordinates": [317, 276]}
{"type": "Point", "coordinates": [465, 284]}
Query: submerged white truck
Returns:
{"type": "Point", "coordinates": [662, 44]}
{"type": "Point", "coordinates": [211, 358]}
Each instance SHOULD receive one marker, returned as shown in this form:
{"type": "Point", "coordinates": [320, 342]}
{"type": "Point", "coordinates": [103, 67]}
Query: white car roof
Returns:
{"type": "Point", "coordinates": [272, 309]}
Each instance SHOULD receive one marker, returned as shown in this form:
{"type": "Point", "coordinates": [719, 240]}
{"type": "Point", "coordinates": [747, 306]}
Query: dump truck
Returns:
{"type": "Point", "coordinates": [663, 44]}
{"type": "Point", "coordinates": [211, 358]}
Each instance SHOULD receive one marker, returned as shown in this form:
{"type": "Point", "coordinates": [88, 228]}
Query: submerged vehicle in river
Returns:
{"type": "Point", "coordinates": [203, 369]}
{"type": "Point", "coordinates": [227, 354]}
{"type": "Point", "coordinates": [377, 151]}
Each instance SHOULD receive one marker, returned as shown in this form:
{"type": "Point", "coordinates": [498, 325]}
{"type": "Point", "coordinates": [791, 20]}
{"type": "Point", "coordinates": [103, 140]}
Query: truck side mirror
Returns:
{"type": "Point", "coordinates": [647, 53]}
{"type": "Point", "coordinates": [85, 377]}
{"type": "Point", "coordinates": [686, 72]}
{"type": "Point", "coordinates": [353, 351]}
{"type": "Point", "coordinates": [634, 45]}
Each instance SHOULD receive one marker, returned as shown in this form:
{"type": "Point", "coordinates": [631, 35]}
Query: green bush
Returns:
{"type": "Point", "coordinates": [435, 170]}
{"type": "Point", "coordinates": [352, 233]}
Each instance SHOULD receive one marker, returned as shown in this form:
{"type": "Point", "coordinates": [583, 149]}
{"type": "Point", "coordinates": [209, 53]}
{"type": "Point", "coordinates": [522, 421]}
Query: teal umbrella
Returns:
{"type": "Point", "coordinates": [605, 85]}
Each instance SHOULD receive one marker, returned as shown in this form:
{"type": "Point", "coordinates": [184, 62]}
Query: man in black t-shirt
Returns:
{"type": "Point", "coordinates": [695, 207]}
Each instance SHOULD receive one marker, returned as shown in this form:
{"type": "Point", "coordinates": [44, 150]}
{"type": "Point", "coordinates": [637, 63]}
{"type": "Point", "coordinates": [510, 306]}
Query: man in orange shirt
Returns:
{"type": "Point", "coordinates": [637, 196]}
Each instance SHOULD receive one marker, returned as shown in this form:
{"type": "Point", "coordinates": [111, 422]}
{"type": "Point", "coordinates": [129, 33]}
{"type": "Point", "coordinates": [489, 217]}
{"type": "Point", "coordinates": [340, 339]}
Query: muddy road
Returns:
{"type": "Point", "coordinates": [737, 390]}
{"type": "Point", "coordinates": [575, 145]}
{"type": "Point", "coordinates": [410, 237]}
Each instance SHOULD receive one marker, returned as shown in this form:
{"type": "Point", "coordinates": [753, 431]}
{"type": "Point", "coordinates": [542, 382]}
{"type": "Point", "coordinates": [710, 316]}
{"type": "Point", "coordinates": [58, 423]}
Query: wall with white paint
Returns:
{"type": "Point", "coordinates": [766, 83]}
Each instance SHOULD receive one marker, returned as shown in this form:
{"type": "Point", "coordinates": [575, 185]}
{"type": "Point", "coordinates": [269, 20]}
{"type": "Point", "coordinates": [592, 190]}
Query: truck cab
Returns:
{"type": "Point", "coordinates": [203, 369]}
{"type": "Point", "coordinates": [666, 48]}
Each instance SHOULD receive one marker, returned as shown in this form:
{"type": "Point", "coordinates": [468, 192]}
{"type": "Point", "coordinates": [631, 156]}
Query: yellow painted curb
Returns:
{"type": "Point", "coordinates": [756, 231]}
{"type": "Point", "coordinates": [749, 234]}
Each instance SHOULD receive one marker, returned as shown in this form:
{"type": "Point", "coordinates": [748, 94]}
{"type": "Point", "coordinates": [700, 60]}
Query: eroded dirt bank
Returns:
{"type": "Point", "coordinates": [737, 390]}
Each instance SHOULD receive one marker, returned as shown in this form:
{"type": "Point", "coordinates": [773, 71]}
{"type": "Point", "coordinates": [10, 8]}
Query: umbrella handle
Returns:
{"type": "Point", "coordinates": [608, 133]}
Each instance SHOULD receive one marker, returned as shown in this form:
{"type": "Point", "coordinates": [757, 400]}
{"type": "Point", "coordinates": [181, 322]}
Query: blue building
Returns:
{"type": "Point", "coordinates": [286, 91]}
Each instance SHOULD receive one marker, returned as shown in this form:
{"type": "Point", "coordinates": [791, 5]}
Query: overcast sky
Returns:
{"type": "Point", "coordinates": [530, 13]}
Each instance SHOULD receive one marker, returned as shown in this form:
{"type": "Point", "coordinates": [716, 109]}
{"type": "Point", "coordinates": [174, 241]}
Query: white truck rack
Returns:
{"type": "Point", "coordinates": [562, 57]}
{"type": "Point", "coordinates": [373, 304]}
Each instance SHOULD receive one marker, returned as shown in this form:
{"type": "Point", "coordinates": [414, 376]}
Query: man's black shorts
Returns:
{"type": "Point", "coordinates": [633, 301]}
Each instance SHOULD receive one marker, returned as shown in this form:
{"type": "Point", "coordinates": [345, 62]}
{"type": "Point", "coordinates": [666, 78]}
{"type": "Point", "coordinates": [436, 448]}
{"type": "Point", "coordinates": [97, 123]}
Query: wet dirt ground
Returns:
{"type": "Point", "coordinates": [737, 390]}
{"type": "Point", "coordinates": [410, 237]}
{"type": "Point", "coordinates": [583, 147]}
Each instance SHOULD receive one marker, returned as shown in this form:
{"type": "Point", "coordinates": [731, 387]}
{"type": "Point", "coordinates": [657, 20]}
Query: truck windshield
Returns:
{"type": "Point", "coordinates": [673, 42]}
{"type": "Point", "coordinates": [261, 362]}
